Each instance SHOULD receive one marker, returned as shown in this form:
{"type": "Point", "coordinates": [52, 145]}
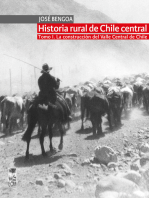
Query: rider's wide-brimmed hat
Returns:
{"type": "Point", "coordinates": [45, 68]}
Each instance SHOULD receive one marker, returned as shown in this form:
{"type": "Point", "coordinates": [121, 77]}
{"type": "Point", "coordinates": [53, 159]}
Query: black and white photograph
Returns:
{"type": "Point", "coordinates": [74, 114]}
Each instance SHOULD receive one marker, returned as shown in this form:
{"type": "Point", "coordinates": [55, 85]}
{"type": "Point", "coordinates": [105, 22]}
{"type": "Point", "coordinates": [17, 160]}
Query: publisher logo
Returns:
{"type": "Point", "coordinates": [12, 177]}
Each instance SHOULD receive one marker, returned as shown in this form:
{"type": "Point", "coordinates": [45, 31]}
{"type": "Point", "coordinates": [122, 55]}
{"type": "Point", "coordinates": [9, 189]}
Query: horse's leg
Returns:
{"type": "Point", "coordinates": [99, 124]}
{"type": "Point", "coordinates": [7, 125]}
{"type": "Point", "coordinates": [82, 116]}
{"type": "Point", "coordinates": [109, 118]}
{"type": "Point", "coordinates": [50, 136]}
{"type": "Point", "coordinates": [39, 130]}
{"type": "Point", "coordinates": [131, 101]}
{"type": "Point", "coordinates": [27, 150]}
{"type": "Point", "coordinates": [68, 124]}
{"type": "Point", "coordinates": [43, 131]}
{"type": "Point", "coordinates": [4, 123]}
{"type": "Point", "coordinates": [61, 129]}
{"type": "Point", "coordinates": [10, 123]}
{"type": "Point", "coordinates": [21, 121]}
{"type": "Point", "coordinates": [92, 118]}
{"type": "Point", "coordinates": [116, 117]}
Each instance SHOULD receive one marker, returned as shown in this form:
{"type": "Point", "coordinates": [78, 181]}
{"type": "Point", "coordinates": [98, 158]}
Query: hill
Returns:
{"type": "Point", "coordinates": [72, 60]}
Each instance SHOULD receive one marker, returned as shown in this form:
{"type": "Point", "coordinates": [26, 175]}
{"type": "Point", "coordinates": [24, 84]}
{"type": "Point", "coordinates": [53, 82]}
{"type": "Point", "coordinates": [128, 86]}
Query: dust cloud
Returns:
{"type": "Point", "coordinates": [72, 61]}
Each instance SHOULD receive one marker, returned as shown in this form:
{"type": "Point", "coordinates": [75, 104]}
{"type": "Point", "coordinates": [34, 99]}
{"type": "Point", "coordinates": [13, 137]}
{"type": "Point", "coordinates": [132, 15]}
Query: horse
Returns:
{"type": "Point", "coordinates": [12, 108]}
{"type": "Point", "coordinates": [96, 104]}
{"type": "Point", "coordinates": [45, 119]}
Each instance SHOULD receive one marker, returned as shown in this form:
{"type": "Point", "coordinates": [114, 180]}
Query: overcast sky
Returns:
{"type": "Point", "coordinates": [123, 11]}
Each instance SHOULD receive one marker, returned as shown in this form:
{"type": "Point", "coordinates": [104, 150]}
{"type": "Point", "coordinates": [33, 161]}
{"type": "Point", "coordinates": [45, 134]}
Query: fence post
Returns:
{"type": "Point", "coordinates": [10, 82]}
{"type": "Point", "coordinates": [35, 77]}
{"type": "Point", "coordinates": [21, 83]}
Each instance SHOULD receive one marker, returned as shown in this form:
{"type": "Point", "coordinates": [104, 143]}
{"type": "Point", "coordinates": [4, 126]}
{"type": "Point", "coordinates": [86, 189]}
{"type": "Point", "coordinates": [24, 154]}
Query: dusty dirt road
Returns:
{"type": "Point", "coordinates": [39, 176]}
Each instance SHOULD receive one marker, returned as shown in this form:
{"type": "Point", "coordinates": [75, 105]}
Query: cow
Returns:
{"type": "Point", "coordinates": [73, 94]}
{"type": "Point", "coordinates": [1, 98]}
{"type": "Point", "coordinates": [115, 98]}
{"type": "Point", "coordinates": [97, 105]}
{"type": "Point", "coordinates": [127, 96]}
{"type": "Point", "coordinates": [135, 97]}
{"type": "Point", "coordinates": [78, 98]}
{"type": "Point", "coordinates": [12, 109]}
{"type": "Point", "coordinates": [105, 87]}
{"type": "Point", "coordinates": [138, 90]}
{"type": "Point", "coordinates": [85, 88]}
{"type": "Point", "coordinates": [71, 102]}
{"type": "Point", "coordinates": [146, 97]}
{"type": "Point", "coordinates": [28, 99]}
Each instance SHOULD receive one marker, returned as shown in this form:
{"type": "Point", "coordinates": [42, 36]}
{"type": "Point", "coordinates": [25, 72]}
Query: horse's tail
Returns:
{"type": "Point", "coordinates": [32, 120]}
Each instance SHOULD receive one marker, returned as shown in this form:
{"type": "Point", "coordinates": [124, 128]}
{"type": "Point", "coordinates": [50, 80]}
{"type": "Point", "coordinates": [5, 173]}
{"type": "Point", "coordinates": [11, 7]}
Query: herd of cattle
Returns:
{"type": "Point", "coordinates": [94, 100]}
{"type": "Point", "coordinates": [111, 97]}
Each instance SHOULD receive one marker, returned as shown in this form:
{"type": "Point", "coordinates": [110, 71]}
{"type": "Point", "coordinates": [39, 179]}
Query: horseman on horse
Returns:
{"type": "Point", "coordinates": [47, 109]}
{"type": "Point", "coordinates": [48, 86]}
